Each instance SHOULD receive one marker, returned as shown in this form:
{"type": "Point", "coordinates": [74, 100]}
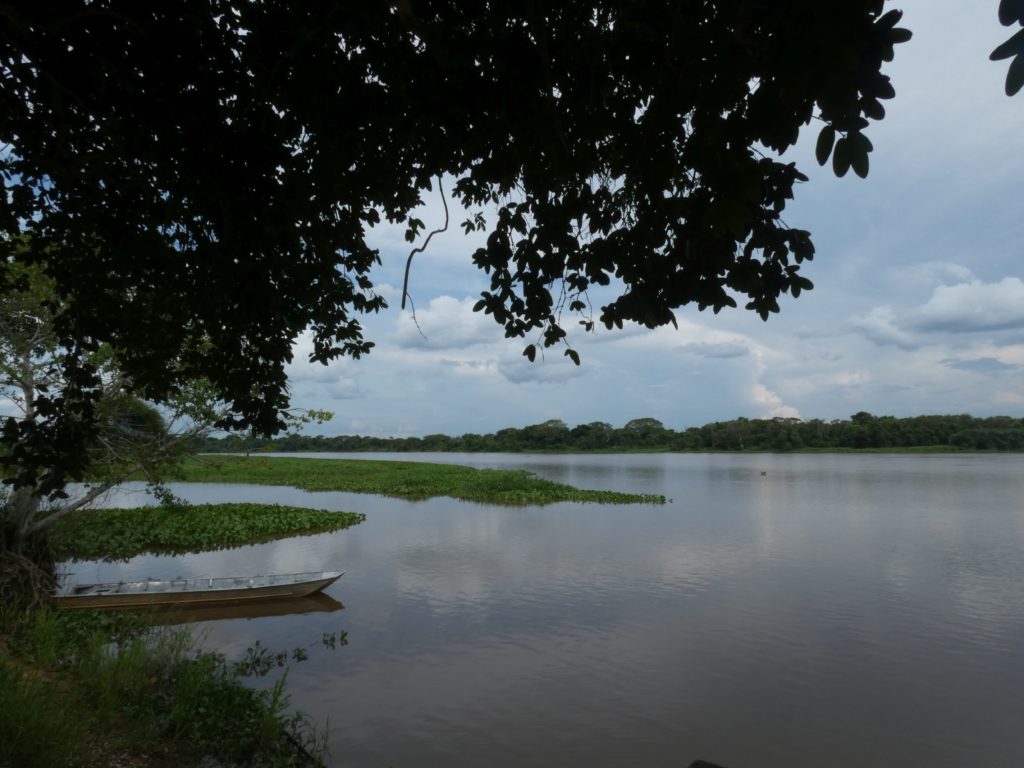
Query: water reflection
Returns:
{"type": "Point", "coordinates": [250, 609]}
{"type": "Point", "coordinates": [782, 611]}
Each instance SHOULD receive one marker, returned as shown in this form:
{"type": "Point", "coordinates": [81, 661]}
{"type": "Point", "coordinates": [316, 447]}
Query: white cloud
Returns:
{"type": "Point", "coordinates": [882, 327]}
{"type": "Point", "coordinates": [771, 404]}
{"type": "Point", "coordinates": [470, 367]}
{"type": "Point", "coordinates": [446, 323]}
{"type": "Point", "coordinates": [342, 388]}
{"type": "Point", "coordinates": [552, 368]}
{"type": "Point", "coordinates": [973, 307]}
{"type": "Point", "coordinates": [719, 350]}
{"type": "Point", "coordinates": [930, 273]}
{"type": "Point", "coordinates": [852, 378]}
{"type": "Point", "coordinates": [980, 365]}
{"type": "Point", "coordinates": [1009, 398]}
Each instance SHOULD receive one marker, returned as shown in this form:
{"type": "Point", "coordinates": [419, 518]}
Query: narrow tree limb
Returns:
{"type": "Point", "coordinates": [93, 494]}
{"type": "Point", "coordinates": [420, 249]}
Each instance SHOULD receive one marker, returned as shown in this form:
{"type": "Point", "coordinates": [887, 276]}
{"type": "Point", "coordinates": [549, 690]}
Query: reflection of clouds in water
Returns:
{"type": "Point", "coordinates": [987, 588]}
{"type": "Point", "coordinates": [304, 553]}
{"type": "Point", "coordinates": [693, 566]}
{"type": "Point", "coordinates": [463, 560]}
{"type": "Point", "coordinates": [899, 574]}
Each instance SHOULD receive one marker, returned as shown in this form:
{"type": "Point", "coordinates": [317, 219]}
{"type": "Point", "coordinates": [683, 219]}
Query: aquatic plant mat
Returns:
{"type": "Point", "coordinates": [400, 479]}
{"type": "Point", "coordinates": [115, 534]}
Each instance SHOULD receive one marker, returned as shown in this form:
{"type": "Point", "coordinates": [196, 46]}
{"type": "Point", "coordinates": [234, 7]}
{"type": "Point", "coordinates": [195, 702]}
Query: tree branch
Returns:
{"type": "Point", "coordinates": [93, 494]}
{"type": "Point", "coordinates": [420, 249]}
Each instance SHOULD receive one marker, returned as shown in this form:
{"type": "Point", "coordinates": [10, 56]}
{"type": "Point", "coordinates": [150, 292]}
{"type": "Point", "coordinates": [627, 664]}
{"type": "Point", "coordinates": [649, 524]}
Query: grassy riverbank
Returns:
{"type": "Point", "coordinates": [400, 479]}
{"type": "Point", "coordinates": [86, 689]}
{"type": "Point", "coordinates": [91, 690]}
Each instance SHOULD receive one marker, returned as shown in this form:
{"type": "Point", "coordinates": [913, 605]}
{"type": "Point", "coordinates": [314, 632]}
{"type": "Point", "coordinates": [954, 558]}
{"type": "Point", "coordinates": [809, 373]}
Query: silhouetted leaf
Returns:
{"type": "Point", "coordinates": [873, 109]}
{"type": "Point", "coordinates": [1015, 76]}
{"type": "Point", "coordinates": [826, 140]}
{"type": "Point", "coordinates": [573, 355]}
{"type": "Point", "coordinates": [901, 35]}
{"type": "Point", "coordinates": [841, 158]}
{"type": "Point", "coordinates": [1012, 47]}
{"type": "Point", "coordinates": [883, 88]}
{"type": "Point", "coordinates": [859, 147]}
{"type": "Point", "coordinates": [1011, 11]}
{"type": "Point", "coordinates": [890, 18]}
{"type": "Point", "coordinates": [530, 352]}
{"type": "Point", "coordinates": [859, 163]}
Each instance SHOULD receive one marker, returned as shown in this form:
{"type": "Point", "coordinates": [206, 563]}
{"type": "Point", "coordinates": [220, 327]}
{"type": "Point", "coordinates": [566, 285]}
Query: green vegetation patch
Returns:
{"type": "Point", "coordinates": [83, 690]}
{"type": "Point", "coordinates": [115, 534]}
{"type": "Point", "coordinates": [400, 479]}
{"type": "Point", "coordinates": [36, 727]}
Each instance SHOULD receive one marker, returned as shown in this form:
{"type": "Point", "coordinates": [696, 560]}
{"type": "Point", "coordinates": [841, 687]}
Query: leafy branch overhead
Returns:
{"type": "Point", "coordinates": [1012, 12]}
{"type": "Point", "coordinates": [847, 120]}
{"type": "Point", "coordinates": [200, 179]}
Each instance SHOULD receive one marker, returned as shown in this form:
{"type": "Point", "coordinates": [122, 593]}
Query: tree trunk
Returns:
{"type": "Point", "coordinates": [21, 508]}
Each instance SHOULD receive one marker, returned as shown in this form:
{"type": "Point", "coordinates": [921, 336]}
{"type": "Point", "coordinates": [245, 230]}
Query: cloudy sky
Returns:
{"type": "Point", "coordinates": [918, 304]}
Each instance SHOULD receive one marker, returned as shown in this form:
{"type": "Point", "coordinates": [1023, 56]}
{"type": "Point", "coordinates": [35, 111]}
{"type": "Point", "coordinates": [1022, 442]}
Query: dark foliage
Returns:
{"type": "Point", "coordinates": [27, 572]}
{"type": "Point", "coordinates": [1012, 12]}
{"type": "Point", "coordinates": [860, 431]}
{"type": "Point", "coordinates": [199, 178]}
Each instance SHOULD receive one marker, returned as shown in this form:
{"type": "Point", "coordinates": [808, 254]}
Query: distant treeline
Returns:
{"type": "Point", "coordinates": [861, 431]}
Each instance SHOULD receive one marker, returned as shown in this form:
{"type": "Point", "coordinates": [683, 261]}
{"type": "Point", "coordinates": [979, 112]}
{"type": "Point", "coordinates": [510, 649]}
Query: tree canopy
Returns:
{"type": "Point", "coordinates": [199, 179]}
{"type": "Point", "coordinates": [129, 437]}
{"type": "Point", "coordinates": [862, 431]}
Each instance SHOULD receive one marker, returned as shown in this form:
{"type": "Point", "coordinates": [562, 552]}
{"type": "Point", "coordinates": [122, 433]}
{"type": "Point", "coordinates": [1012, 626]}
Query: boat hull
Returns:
{"type": "Point", "coordinates": [186, 593]}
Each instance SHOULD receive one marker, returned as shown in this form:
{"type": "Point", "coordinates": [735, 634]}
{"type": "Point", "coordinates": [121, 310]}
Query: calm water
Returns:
{"type": "Point", "coordinates": [834, 611]}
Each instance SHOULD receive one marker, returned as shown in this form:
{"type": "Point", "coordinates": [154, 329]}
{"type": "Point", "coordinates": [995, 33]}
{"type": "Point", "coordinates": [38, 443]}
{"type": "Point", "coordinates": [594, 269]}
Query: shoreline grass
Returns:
{"type": "Point", "coordinates": [86, 689]}
{"type": "Point", "coordinates": [410, 480]}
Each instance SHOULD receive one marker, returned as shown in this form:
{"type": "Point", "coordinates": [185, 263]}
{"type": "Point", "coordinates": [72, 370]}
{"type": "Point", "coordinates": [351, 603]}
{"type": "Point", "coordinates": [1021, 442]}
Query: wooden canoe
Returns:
{"type": "Point", "coordinates": [159, 593]}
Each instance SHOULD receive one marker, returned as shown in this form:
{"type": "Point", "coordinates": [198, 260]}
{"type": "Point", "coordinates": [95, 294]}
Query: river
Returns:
{"type": "Point", "coordinates": [781, 611]}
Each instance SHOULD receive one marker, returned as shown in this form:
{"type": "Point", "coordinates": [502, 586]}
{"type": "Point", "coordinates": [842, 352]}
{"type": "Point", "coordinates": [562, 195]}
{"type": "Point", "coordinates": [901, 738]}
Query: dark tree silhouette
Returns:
{"type": "Point", "coordinates": [198, 178]}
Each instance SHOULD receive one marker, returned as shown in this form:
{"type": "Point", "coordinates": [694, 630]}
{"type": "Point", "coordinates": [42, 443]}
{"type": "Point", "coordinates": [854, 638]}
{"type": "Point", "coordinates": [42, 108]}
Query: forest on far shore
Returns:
{"type": "Point", "coordinates": [862, 431]}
